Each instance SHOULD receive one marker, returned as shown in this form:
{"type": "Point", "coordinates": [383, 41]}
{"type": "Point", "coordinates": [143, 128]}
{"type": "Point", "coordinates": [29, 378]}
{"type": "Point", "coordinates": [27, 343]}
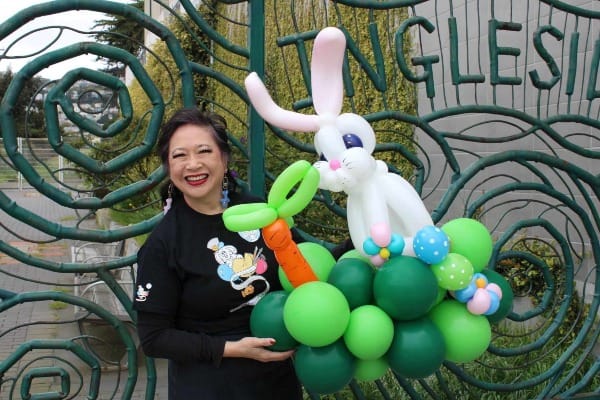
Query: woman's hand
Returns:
{"type": "Point", "coordinates": [253, 347]}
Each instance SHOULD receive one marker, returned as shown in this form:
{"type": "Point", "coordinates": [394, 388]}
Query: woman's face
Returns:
{"type": "Point", "coordinates": [197, 167]}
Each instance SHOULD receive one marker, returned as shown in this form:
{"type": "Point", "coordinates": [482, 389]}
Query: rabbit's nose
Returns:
{"type": "Point", "coordinates": [335, 164]}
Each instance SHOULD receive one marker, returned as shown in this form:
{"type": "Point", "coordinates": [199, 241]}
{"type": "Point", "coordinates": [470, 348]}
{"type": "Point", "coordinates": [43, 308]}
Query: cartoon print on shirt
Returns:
{"type": "Point", "coordinates": [250, 236]}
{"type": "Point", "coordinates": [142, 293]}
{"type": "Point", "coordinates": [241, 270]}
{"type": "Point", "coordinates": [224, 254]}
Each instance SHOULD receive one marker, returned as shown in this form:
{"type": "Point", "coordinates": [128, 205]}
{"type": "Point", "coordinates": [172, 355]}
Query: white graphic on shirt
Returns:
{"type": "Point", "coordinates": [250, 236]}
{"type": "Point", "coordinates": [142, 293]}
{"type": "Point", "coordinates": [240, 270]}
{"type": "Point", "coordinates": [223, 254]}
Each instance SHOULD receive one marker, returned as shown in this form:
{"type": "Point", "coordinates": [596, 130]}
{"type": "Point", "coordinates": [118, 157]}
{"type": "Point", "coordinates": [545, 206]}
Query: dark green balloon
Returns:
{"type": "Point", "coordinates": [506, 303]}
{"type": "Point", "coordinates": [405, 288]}
{"type": "Point", "coordinates": [326, 369]}
{"type": "Point", "coordinates": [266, 321]}
{"type": "Point", "coordinates": [418, 348]}
{"type": "Point", "coordinates": [354, 278]}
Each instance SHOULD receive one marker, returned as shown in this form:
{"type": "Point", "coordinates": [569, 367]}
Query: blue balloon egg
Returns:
{"type": "Point", "coordinates": [396, 245]}
{"type": "Point", "coordinates": [494, 304]}
{"type": "Point", "coordinates": [431, 244]}
{"type": "Point", "coordinates": [464, 295]}
{"type": "Point", "coordinates": [370, 247]}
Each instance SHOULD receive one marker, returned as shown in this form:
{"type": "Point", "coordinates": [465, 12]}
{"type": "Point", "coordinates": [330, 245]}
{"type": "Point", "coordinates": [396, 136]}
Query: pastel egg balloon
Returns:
{"type": "Point", "coordinates": [369, 333]}
{"type": "Point", "coordinates": [381, 234]}
{"type": "Point", "coordinates": [467, 336]}
{"type": "Point", "coordinates": [325, 369]}
{"type": "Point", "coordinates": [316, 313]}
{"type": "Point", "coordinates": [480, 302]}
{"type": "Point", "coordinates": [471, 239]}
{"type": "Point", "coordinates": [506, 302]}
{"type": "Point", "coordinates": [494, 303]}
{"type": "Point", "coordinates": [431, 244]}
{"type": "Point", "coordinates": [405, 288]}
{"type": "Point", "coordinates": [495, 288]}
{"type": "Point", "coordinates": [454, 272]}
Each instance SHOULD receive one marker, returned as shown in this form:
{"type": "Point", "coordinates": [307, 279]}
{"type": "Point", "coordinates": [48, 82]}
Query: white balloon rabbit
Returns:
{"type": "Point", "coordinates": [381, 205]}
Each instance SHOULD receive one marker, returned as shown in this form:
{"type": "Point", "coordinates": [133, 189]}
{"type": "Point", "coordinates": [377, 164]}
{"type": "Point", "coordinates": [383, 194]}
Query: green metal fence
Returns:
{"type": "Point", "coordinates": [489, 108]}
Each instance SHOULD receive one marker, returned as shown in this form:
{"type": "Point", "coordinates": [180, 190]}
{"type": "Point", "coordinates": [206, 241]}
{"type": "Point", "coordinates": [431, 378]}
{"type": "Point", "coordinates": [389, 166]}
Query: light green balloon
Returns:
{"type": "Point", "coordinates": [370, 332]}
{"type": "Point", "coordinates": [467, 336]}
{"type": "Point", "coordinates": [454, 272]}
{"type": "Point", "coordinates": [369, 370]}
{"type": "Point", "coordinates": [441, 295]}
{"type": "Point", "coordinates": [355, 254]}
{"type": "Point", "coordinates": [318, 257]}
{"type": "Point", "coordinates": [316, 314]}
{"type": "Point", "coordinates": [471, 239]}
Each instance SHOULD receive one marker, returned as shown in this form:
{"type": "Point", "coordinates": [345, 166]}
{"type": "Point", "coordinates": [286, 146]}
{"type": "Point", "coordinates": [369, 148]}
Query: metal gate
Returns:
{"type": "Point", "coordinates": [489, 108]}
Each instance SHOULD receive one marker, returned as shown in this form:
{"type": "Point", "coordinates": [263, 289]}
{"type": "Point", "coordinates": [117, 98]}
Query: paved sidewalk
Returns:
{"type": "Point", "coordinates": [45, 320]}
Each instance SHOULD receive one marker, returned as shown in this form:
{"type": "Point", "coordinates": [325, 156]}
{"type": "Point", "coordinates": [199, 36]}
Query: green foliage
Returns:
{"type": "Point", "coordinates": [28, 109]}
{"type": "Point", "coordinates": [162, 71]}
{"type": "Point", "coordinates": [536, 265]}
{"type": "Point", "coordinates": [123, 33]}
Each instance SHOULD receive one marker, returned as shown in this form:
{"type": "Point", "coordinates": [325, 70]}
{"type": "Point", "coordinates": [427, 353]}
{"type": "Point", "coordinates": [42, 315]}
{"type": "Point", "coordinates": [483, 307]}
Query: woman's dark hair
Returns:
{"type": "Point", "coordinates": [193, 116]}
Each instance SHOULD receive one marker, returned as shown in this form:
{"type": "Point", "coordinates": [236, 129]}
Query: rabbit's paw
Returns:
{"type": "Point", "coordinates": [383, 244]}
{"type": "Point", "coordinates": [431, 244]}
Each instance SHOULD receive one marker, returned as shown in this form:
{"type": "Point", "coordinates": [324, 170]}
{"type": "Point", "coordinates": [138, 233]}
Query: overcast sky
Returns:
{"type": "Point", "coordinates": [82, 20]}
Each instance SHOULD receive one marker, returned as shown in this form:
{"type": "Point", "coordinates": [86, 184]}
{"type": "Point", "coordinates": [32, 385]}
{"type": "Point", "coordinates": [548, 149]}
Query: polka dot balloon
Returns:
{"type": "Point", "coordinates": [454, 272]}
{"type": "Point", "coordinates": [431, 244]}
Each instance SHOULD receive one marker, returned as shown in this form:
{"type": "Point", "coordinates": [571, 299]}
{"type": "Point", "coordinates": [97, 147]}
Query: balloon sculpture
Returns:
{"type": "Point", "coordinates": [384, 211]}
{"type": "Point", "coordinates": [410, 297]}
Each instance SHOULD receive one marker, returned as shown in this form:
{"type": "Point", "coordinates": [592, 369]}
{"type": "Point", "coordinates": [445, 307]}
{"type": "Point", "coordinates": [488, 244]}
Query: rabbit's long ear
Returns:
{"type": "Point", "coordinates": [326, 69]}
{"type": "Point", "coordinates": [272, 113]}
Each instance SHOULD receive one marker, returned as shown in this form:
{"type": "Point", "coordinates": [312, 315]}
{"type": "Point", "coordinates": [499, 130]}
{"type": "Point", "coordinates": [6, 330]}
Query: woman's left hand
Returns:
{"type": "Point", "coordinates": [255, 348]}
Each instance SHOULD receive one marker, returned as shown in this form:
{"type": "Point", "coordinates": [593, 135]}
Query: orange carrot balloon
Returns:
{"type": "Point", "coordinates": [278, 238]}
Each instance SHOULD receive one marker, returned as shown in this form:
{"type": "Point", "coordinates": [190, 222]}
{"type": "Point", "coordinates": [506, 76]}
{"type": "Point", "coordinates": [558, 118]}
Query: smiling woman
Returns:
{"type": "Point", "coordinates": [198, 281]}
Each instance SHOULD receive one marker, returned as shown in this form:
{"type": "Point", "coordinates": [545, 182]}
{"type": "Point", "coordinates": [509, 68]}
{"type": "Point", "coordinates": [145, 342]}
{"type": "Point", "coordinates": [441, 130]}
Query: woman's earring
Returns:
{"type": "Point", "coordinates": [225, 192]}
{"type": "Point", "coordinates": [169, 199]}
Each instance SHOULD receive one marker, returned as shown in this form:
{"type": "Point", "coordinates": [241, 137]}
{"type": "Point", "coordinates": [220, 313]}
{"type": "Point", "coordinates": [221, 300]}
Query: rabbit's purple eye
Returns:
{"type": "Point", "coordinates": [322, 157]}
{"type": "Point", "coordinates": [352, 140]}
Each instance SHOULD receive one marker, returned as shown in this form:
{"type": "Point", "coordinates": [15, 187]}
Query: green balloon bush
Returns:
{"type": "Point", "coordinates": [358, 321]}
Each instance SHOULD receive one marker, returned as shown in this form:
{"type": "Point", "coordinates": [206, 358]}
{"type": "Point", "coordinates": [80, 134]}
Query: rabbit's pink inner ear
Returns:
{"type": "Point", "coordinates": [326, 69]}
{"type": "Point", "coordinates": [272, 113]}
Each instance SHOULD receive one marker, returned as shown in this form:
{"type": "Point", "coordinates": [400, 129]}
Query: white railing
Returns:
{"type": "Point", "coordinates": [52, 167]}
